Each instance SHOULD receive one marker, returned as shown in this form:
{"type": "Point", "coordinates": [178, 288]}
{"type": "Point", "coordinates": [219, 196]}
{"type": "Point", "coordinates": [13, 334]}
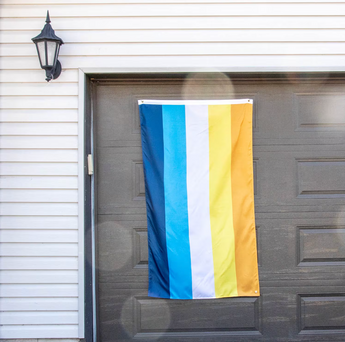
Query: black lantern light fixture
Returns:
{"type": "Point", "coordinates": [48, 46]}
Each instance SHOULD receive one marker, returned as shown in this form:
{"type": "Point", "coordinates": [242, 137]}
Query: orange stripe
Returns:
{"type": "Point", "coordinates": [243, 200]}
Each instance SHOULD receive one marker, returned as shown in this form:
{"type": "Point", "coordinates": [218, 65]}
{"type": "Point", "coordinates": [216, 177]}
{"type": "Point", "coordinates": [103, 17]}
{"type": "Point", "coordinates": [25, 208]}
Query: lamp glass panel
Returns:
{"type": "Point", "coordinates": [51, 47]}
{"type": "Point", "coordinates": [42, 53]}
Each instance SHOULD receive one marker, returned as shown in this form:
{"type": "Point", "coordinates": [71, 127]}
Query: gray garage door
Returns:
{"type": "Point", "coordinates": [299, 164]}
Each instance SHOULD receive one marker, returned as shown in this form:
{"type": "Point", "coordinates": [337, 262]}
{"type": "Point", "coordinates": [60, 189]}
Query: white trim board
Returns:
{"type": "Point", "coordinates": [81, 204]}
{"type": "Point", "coordinates": [235, 70]}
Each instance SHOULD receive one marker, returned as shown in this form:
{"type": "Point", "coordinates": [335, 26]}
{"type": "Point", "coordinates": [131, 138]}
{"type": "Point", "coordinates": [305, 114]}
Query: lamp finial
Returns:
{"type": "Point", "coordinates": [48, 18]}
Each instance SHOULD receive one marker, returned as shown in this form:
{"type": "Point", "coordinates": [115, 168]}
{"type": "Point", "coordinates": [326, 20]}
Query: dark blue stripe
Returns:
{"type": "Point", "coordinates": [153, 158]}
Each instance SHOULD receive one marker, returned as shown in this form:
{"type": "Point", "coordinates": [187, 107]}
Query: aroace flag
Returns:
{"type": "Point", "coordinates": [198, 167]}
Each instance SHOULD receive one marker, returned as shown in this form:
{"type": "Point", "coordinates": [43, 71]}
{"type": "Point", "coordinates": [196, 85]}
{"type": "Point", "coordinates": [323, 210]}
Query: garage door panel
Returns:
{"type": "Point", "coordinates": [278, 256]}
{"type": "Point", "coordinates": [116, 321]}
{"type": "Point", "coordinates": [144, 317]}
{"type": "Point", "coordinates": [320, 111]}
{"type": "Point", "coordinates": [239, 314]}
{"type": "Point", "coordinates": [314, 308]}
{"type": "Point", "coordinates": [321, 246]}
{"type": "Point", "coordinates": [124, 249]}
{"type": "Point", "coordinates": [120, 179]}
{"type": "Point", "coordinates": [300, 178]}
{"type": "Point", "coordinates": [119, 126]}
{"type": "Point", "coordinates": [306, 307]}
{"type": "Point", "coordinates": [273, 179]}
{"type": "Point", "coordinates": [274, 114]}
{"type": "Point", "coordinates": [296, 112]}
{"type": "Point", "coordinates": [301, 249]}
{"type": "Point", "coordinates": [321, 178]}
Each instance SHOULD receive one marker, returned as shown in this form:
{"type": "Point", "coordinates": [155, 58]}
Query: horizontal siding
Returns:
{"type": "Point", "coordinates": [25, 195]}
{"type": "Point", "coordinates": [175, 34]}
{"type": "Point", "coordinates": [32, 304]}
{"type": "Point", "coordinates": [162, 23]}
{"type": "Point", "coordinates": [39, 277]}
{"type": "Point", "coordinates": [39, 202]}
{"type": "Point", "coordinates": [35, 236]}
{"type": "Point", "coordinates": [40, 209]}
{"type": "Point", "coordinates": [39, 169]}
{"type": "Point", "coordinates": [54, 223]}
{"type": "Point", "coordinates": [39, 129]}
{"type": "Point", "coordinates": [25, 249]}
{"type": "Point", "coordinates": [25, 89]}
{"type": "Point", "coordinates": [237, 63]}
{"type": "Point", "coordinates": [182, 49]}
{"type": "Point", "coordinates": [35, 76]}
{"type": "Point", "coordinates": [39, 331]}
{"type": "Point", "coordinates": [39, 121]}
{"type": "Point", "coordinates": [39, 155]}
{"type": "Point", "coordinates": [37, 2]}
{"type": "Point", "coordinates": [38, 182]}
{"type": "Point", "coordinates": [38, 290]}
{"type": "Point", "coordinates": [39, 101]}
{"type": "Point", "coordinates": [178, 9]}
{"type": "Point", "coordinates": [38, 142]}
{"type": "Point", "coordinates": [41, 115]}
{"type": "Point", "coordinates": [170, 36]}
{"type": "Point", "coordinates": [38, 263]}
{"type": "Point", "coordinates": [15, 318]}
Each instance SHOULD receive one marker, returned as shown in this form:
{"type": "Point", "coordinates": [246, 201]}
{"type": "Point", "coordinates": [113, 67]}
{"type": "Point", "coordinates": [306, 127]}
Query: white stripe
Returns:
{"type": "Point", "coordinates": [195, 102]}
{"type": "Point", "coordinates": [197, 141]}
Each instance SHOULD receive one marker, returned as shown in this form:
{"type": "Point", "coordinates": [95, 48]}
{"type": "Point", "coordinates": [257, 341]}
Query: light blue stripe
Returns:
{"type": "Point", "coordinates": [176, 205]}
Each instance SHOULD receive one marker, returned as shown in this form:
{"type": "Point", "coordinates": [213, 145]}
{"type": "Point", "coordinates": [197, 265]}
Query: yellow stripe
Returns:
{"type": "Point", "coordinates": [221, 217]}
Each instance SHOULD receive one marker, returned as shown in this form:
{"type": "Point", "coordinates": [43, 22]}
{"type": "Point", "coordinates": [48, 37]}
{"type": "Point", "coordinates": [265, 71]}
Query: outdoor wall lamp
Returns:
{"type": "Point", "coordinates": [48, 46]}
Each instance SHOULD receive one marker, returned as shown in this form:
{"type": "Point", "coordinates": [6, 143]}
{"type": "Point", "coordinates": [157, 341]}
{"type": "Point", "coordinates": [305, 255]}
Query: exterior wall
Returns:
{"type": "Point", "coordinates": [39, 193]}
{"type": "Point", "coordinates": [41, 244]}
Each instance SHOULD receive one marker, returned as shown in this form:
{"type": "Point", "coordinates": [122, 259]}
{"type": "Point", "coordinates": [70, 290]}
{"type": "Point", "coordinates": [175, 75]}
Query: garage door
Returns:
{"type": "Point", "coordinates": [299, 166]}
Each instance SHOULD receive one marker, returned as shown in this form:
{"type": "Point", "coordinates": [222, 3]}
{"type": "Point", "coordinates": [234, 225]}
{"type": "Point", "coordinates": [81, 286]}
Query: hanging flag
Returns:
{"type": "Point", "coordinates": [198, 166]}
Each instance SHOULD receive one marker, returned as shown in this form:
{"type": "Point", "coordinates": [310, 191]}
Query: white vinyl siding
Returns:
{"type": "Point", "coordinates": [228, 35]}
{"type": "Point", "coordinates": [39, 238]}
{"type": "Point", "coordinates": [40, 141]}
